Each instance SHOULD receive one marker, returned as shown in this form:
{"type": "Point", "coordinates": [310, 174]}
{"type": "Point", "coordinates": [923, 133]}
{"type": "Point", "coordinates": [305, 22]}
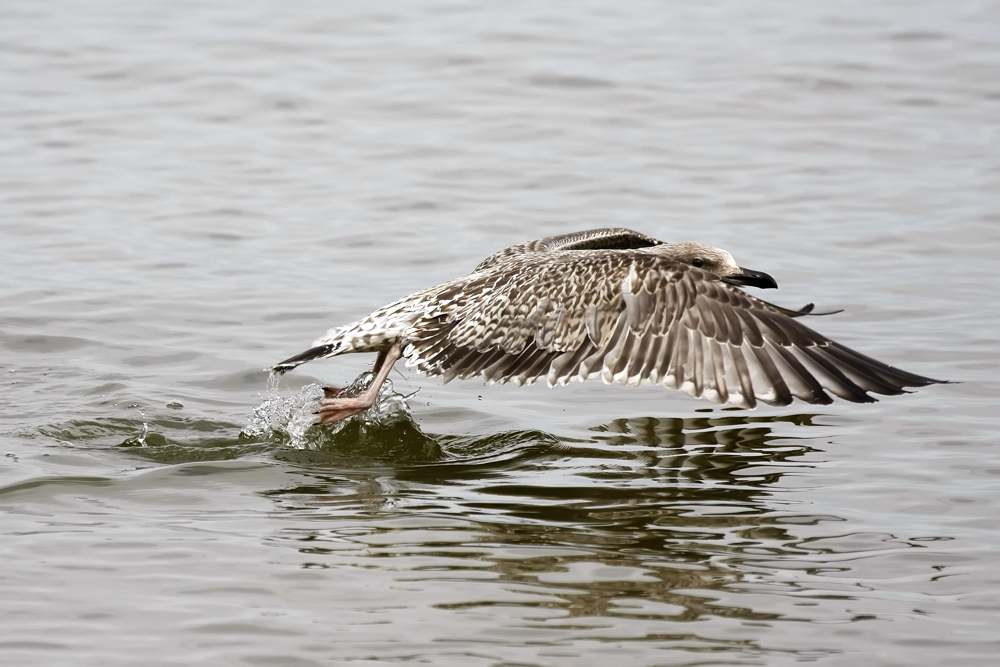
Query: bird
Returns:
{"type": "Point", "coordinates": [610, 303]}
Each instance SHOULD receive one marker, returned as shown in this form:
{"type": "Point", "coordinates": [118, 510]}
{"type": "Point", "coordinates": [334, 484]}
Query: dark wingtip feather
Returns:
{"type": "Point", "coordinates": [301, 358]}
{"type": "Point", "coordinates": [892, 375]}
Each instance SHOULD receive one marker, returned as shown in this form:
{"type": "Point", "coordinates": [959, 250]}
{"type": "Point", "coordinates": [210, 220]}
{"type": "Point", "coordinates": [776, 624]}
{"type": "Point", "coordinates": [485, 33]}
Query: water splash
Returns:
{"type": "Point", "coordinates": [141, 440]}
{"type": "Point", "coordinates": [287, 416]}
{"type": "Point", "coordinates": [145, 430]}
{"type": "Point", "coordinates": [293, 416]}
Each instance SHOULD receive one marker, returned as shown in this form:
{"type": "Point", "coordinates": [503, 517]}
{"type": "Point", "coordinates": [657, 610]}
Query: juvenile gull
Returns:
{"type": "Point", "coordinates": [613, 303]}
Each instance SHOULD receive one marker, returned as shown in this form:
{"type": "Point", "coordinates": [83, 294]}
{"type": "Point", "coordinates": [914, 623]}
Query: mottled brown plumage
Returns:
{"type": "Point", "coordinates": [613, 303]}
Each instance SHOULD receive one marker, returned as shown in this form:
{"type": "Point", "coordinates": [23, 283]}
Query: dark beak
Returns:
{"type": "Point", "coordinates": [751, 278]}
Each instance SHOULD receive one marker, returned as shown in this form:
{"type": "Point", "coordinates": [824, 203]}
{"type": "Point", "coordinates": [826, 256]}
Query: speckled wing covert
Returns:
{"type": "Point", "coordinates": [634, 318]}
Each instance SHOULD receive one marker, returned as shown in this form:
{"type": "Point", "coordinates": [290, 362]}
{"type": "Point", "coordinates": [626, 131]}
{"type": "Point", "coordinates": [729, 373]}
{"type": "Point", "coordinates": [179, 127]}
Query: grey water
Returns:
{"type": "Point", "coordinates": [190, 192]}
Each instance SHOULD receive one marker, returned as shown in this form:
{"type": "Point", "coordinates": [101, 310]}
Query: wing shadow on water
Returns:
{"type": "Point", "coordinates": [642, 509]}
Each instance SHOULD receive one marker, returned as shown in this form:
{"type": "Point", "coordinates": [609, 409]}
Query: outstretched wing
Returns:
{"type": "Point", "coordinates": [636, 318]}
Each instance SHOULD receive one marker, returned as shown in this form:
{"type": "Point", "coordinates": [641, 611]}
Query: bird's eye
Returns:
{"type": "Point", "coordinates": [698, 263]}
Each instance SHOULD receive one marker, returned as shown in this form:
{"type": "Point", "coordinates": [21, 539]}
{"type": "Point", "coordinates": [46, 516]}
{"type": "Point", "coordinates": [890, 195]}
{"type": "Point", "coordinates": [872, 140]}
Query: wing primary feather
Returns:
{"type": "Point", "coordinates": [734, 325]}
{"type": "Point", "coordinates": [503, 369]}
{"type": "Point", "coordinates": [743, 373]}
{"type": "Point", "coordinates": [598, 360]}
{"type": "Point", "coordinates": [698, 363]}
{"type": "Point", "coordinates": [534, 364]}
{"type": "Point", "coordinates": [770, 371]}
{"type": "Point", "coordinates": [860, 373]}
{"type": "Point", "coordinates": [776, 334]}
{"type": "Point", "coordinates": [719, 321]}
{"type": "Point", "coordinates": [652, 368]}
{"type": "Point", "coordinates": [640, 357]}
{"type": "Point", "coordinates": [832, 378]}
{"type": "Point", "coordinates": [809, 389]}
{"type": "Point", "coordinates": [888, 373]}
{"type": "Point", "coordinates": [750, 329]}
{"type": "Point", "coordinates": [488, 359]}
{"type": "Point", "coordinates": [666, 354]}
{"type": "Point", "coordinates": [468, 365]}
{"type": "Point", "coordinates": [617, 359]}
{"type": "Point", "coordinates": [680, 365]}
{"type": "Point", "coordinates": [565, 367]}
{"type": "Point", "coordinates": [718, 371]}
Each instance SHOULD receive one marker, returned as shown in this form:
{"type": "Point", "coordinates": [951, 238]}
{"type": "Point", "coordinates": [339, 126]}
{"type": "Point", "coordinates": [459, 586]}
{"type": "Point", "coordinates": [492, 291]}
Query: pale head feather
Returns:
{"type": "Point", "coordinates": [715, 260]}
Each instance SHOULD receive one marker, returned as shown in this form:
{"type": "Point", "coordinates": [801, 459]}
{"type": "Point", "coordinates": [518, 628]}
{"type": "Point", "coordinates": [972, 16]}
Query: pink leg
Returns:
{"type": "Point", "coordinates": [334, 409]}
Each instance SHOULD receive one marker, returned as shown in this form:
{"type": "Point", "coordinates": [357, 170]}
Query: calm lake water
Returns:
{"type": "Point", "coordinates": [194, 191]}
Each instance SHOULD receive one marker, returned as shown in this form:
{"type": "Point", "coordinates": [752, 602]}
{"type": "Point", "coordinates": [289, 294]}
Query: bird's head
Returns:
{"type": "Point", "coordinates": [714, 260]}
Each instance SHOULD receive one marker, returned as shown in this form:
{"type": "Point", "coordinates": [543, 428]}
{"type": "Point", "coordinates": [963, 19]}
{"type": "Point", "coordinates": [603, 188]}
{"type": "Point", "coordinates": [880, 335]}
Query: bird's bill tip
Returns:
{"type": "Point", "coordinates": [752, 279]}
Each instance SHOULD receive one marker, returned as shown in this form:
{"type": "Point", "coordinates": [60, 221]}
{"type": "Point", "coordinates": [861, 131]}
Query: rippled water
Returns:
{"type": "Point", "coordinates": [193, 191]}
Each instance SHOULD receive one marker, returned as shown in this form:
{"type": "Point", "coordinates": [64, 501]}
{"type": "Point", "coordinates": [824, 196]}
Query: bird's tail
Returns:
{"type": "Point", "coordinates": [318, 352]}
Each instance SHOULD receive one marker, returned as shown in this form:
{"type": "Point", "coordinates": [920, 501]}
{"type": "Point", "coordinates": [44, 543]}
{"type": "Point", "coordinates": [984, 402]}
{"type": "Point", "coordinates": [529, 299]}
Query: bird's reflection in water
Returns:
{"type": "Point", "coordinates": [625, 523]}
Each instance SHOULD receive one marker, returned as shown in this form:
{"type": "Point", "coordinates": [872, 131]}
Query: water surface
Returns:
{"type": "Point", "coordinates": [191, 192]}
